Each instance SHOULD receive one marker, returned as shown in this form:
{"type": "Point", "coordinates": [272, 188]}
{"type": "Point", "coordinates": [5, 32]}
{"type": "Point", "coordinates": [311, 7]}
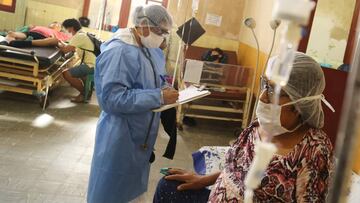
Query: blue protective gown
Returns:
{"type": "Point", "coordinates": [126, 91]}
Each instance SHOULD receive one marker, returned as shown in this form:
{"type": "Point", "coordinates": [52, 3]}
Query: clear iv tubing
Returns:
{"type": "Point", "coordinates": [180, 47]}
{"type": "Point", "coordinates": [282, 68]}
{"type": "Point", "coordinates": [280, 73]}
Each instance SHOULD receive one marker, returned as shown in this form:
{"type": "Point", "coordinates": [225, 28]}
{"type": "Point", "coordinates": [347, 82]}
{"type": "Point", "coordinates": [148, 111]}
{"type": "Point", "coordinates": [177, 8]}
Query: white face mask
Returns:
{"type": "Point", "coordinates": [152, 41]}
{"type": "Point", "coordinates": [269, 115]}
{"type": "Point", "coordinates": [270, 124]}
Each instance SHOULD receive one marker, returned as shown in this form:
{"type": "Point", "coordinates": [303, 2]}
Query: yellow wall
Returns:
{"type": "Point", "coordinates": [78, 4]}
{"type": "Point", "coordinates": [225, 37]}
{"type": "Point", "coordinates": [40, 12]}
{"type": "Point", "coordinates": [230, 10]}
{"type": "Point", "coordinates": [10, 21]}
{"type": "Point", "coordinates": [247, 56]}
{"type": "Point", "coordinates": [356, 166]}
{"type": "Point", "coordinates": [211, 41]}
{"type": "Point", "coordinates": [44, 12]}
{"type": "Point", "coordinates": [6, 2]}
{"type": "Point", "coordinates": [261, 11]}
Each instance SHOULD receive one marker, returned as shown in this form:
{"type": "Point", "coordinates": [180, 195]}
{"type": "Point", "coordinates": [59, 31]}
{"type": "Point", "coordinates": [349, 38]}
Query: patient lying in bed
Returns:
{"type": "Point", "coordinates": [37, 36]}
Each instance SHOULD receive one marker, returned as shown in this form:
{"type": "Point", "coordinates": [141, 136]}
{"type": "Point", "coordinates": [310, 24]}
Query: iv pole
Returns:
{"type": "Point", "coordinates": [101, 17]}
{"type": "Point", "coordinates": [348, 133]}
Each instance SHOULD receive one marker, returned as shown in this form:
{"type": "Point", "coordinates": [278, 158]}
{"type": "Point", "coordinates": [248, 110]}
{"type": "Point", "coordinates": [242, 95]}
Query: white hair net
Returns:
{"type": "Point", "coordinates": [153, 16]}
{"type": "Point", "coordinates": [306, 80]}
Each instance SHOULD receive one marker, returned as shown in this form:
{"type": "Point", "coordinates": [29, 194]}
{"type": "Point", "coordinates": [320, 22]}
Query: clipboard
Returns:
{"type": "Point", "coordinates": [185, 96]}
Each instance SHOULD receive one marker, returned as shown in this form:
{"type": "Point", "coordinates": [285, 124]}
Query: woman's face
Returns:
{"type": "Point", "coordinates": [289, 117]}
{"type": "Point", "coordinates": [215, 55]}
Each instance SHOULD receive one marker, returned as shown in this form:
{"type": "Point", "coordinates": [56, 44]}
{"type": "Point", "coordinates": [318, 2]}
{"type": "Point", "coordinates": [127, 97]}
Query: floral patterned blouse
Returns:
{"type": "Point", "coordinates": [300, 176]}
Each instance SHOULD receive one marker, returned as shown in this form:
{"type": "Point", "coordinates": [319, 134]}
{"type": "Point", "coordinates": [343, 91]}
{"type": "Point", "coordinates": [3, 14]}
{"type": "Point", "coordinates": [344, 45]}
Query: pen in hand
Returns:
{"type": "Point", "coordinates": [170, 95]}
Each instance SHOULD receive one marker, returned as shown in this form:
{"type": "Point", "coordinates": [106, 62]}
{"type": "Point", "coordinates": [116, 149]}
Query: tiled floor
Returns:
{"type": "Point", "coordinates": [52, 164]}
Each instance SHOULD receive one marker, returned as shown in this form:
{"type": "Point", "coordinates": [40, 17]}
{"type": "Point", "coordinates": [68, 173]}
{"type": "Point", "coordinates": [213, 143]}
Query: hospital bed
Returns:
{"type": "Point", "coordinates": [230, 87]}
{"type": "Point", "coordinates": [32, 71]}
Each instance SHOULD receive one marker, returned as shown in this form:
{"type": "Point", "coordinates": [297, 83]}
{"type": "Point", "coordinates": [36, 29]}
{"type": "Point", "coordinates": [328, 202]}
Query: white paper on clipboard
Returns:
{"type": "Point", "coordinates": [193, 71]}
{"type": "Point", "coordinates": [187, 95]}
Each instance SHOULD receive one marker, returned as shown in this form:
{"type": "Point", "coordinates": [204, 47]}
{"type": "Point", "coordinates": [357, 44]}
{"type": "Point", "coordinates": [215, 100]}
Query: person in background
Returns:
{"type": "Point", "coordinates": [302, 167]}
{"type": "Point", "coordinates": [215, 55]}
{"type": "Point", "coordinates": [84, 21]}
{"type": "Point", "coordinates": [83, 46]}
{"type": "Point", "coordinates": [36, 36]}
{"type": "Point", "coordinates": [344, 67]}
{"type": "Point", "coordinates": [129, 83]}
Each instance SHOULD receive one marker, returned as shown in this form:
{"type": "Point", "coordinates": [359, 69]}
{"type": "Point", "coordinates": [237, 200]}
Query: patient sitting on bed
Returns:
{"type": "Point", "coordinates": [83, 46]}
{"type": "Point", "coordinates": [38, 35]}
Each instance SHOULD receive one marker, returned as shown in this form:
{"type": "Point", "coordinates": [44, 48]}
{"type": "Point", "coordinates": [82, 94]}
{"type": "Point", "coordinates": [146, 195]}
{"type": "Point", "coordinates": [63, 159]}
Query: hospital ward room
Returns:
{"type": "Point", "coordinates": [179, 101]}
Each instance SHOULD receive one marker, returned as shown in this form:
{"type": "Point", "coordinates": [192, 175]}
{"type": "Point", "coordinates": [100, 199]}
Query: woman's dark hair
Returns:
{"type": "Point", "coordinates": [222, 57]}
{"type": "Point", "coordinates": [68, 23]}
{"type": "Point", "coordinates": [84, 21]}
{"type": "Point", "coordinates": [218, 50]}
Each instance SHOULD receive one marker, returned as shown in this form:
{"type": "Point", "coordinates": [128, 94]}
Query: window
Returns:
{"type": "Point", "coordinates": [7, 5]}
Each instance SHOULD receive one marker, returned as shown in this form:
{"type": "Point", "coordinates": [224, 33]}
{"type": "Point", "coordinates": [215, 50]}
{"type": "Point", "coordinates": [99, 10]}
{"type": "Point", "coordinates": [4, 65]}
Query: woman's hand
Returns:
{"type": "Point", "coordinates": [191, 180]}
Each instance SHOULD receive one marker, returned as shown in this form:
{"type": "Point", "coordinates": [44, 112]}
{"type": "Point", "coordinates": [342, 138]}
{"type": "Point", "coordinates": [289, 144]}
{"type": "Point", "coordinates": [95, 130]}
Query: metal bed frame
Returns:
{"type": "Point", "coordinates": [28, 77]}
{"type": "Point", "coordinates": [210, 107]}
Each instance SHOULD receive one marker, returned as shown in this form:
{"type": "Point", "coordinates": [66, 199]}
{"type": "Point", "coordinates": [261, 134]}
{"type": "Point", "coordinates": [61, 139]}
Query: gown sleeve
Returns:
{"type": "Point", "coordinates": [119, 73]}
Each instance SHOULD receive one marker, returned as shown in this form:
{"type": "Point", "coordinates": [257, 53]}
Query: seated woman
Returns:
{"type": "Point", "coordinates": [299, 172]}
{"type": "Point", "coordinates": [40, 36]}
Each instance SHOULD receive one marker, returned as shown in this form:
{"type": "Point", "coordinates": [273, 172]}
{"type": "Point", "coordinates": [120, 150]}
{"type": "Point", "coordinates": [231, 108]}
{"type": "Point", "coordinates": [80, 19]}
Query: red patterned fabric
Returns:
{"type": "Point", "coordinates": [300, 176]}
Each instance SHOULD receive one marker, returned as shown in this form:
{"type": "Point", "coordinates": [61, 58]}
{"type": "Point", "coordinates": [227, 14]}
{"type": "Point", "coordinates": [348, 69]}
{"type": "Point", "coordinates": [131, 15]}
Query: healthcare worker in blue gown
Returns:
{"type": "Point", "coordinates": [129, 84]}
